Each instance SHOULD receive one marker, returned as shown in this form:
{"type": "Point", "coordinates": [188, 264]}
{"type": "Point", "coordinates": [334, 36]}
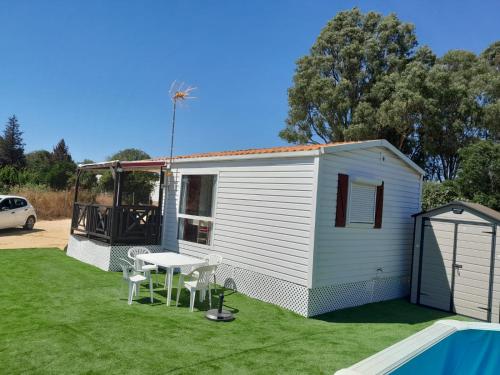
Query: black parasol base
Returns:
{"type": "Point", "coordinates": [219, 315]}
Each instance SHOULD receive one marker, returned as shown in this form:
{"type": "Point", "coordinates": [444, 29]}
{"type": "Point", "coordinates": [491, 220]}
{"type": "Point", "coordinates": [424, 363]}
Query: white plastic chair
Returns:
{"type": "Point", "coordinates": [134, 281]}
{"type": "Point", "coordinates": [200, 283]}
{"type": "Point", "coordinates": [139, 265]}
{"type": "Point", "coordinates": [213, 260]}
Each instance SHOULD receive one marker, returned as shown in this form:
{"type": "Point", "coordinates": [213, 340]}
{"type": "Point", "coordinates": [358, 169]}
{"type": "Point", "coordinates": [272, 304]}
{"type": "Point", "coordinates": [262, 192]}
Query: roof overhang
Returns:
{"type": "Point", "coordinates": [369, 144]}
{"type": "Point", "coordinates": [155, 165]}
{"type": "Point", "coordinates": [139, 165]}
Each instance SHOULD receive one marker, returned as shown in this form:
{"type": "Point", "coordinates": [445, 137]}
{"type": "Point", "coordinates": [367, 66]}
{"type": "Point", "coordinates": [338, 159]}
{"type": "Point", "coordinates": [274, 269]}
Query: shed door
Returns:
{"type": "Point", "coordinates": [472, 271]}
{"type": "Point", "coordinates": [437, 261]}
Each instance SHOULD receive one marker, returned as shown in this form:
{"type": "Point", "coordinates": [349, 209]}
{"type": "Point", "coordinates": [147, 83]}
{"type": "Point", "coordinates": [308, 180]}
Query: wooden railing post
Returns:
{"type": "Point", "coordinates": [75, 197]}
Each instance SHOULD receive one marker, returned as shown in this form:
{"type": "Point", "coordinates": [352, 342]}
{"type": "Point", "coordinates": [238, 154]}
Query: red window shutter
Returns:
{"type": "Point", "coordinates": [379, 206]}
{"type": "Point", "coordinates": [342, 191]}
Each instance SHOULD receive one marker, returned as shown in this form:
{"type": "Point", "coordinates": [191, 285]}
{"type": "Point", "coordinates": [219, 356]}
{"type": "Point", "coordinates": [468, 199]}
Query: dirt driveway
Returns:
{"type": "Point", "coordinates": [53, 233]}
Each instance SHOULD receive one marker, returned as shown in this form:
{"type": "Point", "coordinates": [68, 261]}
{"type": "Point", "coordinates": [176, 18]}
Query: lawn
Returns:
{"type": "Point", "coordinates": [62, 316]}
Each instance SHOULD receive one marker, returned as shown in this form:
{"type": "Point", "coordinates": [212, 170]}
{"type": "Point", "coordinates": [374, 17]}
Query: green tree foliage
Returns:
{"type": "Point", "coordinates": [479, 175]}
{"type": "Point", "coordinates": [435, 194]}
{"type": "Point", "coordinates": [38, 165]}
{"type": "Point", "coordinates": [88, 180]}
{"type": "Point", "coordinates": [365, 78]}
{"type": "Point", "coordinates": [453, 112]}
{"type": "Point", "coordinates": [9, 177]}
{"type": "Point", "coordinates": [339, 87]}
{"type": "Point", "coordinates": [12, 145]}
{"type": "Point", "coordinates": [137, 186]}
{"type": "Point", "coordinates": [52, 169]}
{"type": "Point", "coordinates": [478, 179]}
{"type": "Point", "coordinates": [60, 153]}
{"type": "Point", "coordinates": [491, 56]}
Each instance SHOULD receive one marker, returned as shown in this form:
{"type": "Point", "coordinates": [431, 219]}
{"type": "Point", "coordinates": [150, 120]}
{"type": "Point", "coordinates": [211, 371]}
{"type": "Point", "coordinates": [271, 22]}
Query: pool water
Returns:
{"type": "Point", "coordinates": [471, 351]}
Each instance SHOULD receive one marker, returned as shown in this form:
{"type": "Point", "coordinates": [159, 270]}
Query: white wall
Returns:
{"type": "Point", "coordinates": [350, 254]}
{"type": "Point", "coordinates": [263, 215]}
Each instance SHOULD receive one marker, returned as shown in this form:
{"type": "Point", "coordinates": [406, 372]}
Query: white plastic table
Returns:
{"type": "Point", "coordinates": [170, 261]}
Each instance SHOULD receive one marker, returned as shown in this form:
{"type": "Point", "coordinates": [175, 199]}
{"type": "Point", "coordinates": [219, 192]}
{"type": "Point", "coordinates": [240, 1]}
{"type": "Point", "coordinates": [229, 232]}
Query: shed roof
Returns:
{"type": "Point", "coordinates": [476, 207]}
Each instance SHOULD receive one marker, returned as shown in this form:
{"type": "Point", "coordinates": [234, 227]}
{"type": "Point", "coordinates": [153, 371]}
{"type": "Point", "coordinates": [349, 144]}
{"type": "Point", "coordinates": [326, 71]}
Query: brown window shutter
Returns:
{"type": "Point", "coordinates": [379, 206]}
{"type": "Point", "coordinates": [342, 191]}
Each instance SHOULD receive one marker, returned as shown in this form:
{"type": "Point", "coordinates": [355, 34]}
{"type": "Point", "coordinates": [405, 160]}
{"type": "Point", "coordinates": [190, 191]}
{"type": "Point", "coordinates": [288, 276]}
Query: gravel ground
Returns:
{"type": "Point", "coordinates": [52, 233]}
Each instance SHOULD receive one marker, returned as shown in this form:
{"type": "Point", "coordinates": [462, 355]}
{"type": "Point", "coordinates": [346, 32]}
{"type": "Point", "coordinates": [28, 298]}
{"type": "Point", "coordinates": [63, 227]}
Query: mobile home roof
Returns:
{"type": "Point", "coordinates": [257, 153]}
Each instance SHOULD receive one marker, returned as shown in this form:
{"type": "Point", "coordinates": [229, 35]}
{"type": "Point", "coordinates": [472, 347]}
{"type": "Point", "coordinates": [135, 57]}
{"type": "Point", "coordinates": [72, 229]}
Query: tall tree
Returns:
{"type": "Point", "coordinates": [491, 99]}
{"type": "Point", "coordinates": [333, 96]}
{"type": "Point", "coordinates": [38, 165]}
{"type": "Point", "coordinates": [479, 175]}
{"type": "Point", "coordinates": [60, 153]}
{"type": "Point", "coordinates": [12, 145]}
{"type": "Point", "coordinates": [453, 115]}
{"type": "Point", "coordinates": [136, 186]}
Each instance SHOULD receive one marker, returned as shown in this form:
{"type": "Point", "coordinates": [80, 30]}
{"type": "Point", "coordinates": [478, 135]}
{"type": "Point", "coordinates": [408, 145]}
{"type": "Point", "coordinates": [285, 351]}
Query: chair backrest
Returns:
{"type": "Point", "coordinates": [204, 276]}
{"type": "Point", "coordinates": [127, 268]}
{"type": "Point", "coordinates": [132, 254]}
{"type": "Point", "coordinates": [213, 259]}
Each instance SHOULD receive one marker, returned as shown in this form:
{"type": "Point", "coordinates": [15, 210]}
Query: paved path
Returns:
{"type": "Point", "coordinates": [53, 233]}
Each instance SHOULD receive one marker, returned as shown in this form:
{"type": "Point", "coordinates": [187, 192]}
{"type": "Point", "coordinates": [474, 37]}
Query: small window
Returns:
{"type": "Point", "coordinates": [196, 208]}
{"type": "Point", "coordinates": [197, 195]}
{"type": "Point", "coordinates": [194, 230]}
{"type": "Point", "coordinates": [362, 202]}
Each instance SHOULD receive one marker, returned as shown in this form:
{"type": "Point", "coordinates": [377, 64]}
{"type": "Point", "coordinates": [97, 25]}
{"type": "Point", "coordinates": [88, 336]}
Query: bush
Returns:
{"type": "Point", "coordinates": [479, 174]}
{"type": "Point", "coordinates": [435, 194]}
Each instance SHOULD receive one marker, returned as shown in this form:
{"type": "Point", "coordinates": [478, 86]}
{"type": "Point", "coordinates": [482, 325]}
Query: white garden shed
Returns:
{"type": "Point", "coordinates": [311, 228]}
{"type": "Point", "coordinates": [455, 265]}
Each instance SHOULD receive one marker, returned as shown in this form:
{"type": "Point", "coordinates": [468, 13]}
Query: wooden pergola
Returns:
{"type": "Point", "coordinates": [118, 223]}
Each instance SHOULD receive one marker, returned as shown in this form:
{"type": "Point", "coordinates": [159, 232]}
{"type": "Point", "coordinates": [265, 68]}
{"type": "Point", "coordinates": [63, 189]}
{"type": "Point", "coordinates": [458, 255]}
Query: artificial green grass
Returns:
{"type": "Point", "coordinates": [60, 316]}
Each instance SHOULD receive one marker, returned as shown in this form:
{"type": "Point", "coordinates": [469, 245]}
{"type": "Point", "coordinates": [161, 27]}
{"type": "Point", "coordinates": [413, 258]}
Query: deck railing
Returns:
{"type": "Point", "coordinates": [117, 225]}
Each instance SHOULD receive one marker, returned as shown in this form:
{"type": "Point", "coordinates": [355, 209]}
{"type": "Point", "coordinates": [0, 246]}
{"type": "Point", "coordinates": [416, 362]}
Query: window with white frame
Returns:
{"type": "Point", "coordinates": [196, 208]}
{"type": "Point", "coordinates": [362, 203]}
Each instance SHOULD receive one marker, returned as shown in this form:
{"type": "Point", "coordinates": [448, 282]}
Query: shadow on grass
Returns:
{"type": "Point", "coordinates": [18, 231]}
{"type": "Point", "coordinates": [395, 311]}
{"type": "Point", "coordinates": [201, 306]}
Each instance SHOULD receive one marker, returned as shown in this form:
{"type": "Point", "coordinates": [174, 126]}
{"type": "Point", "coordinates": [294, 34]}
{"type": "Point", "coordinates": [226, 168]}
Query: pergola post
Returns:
{"type": "Point", "coordinates": [116, 173]}
{"type": "Point", "coordinates": [162, 185]}
{"type": "Point", "coordinates": [75, 196]}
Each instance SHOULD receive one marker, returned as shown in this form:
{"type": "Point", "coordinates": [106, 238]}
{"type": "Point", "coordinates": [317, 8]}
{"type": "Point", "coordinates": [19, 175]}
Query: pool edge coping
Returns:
{"type": "Point", "coordinates": [399, 353]}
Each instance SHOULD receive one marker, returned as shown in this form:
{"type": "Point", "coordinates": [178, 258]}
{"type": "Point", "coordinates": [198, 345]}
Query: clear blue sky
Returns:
{"type": "Point", "coordinates": [97, 73]}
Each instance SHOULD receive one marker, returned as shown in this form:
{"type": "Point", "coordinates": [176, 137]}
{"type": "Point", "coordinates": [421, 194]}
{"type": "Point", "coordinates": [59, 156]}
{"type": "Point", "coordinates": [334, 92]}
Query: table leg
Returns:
{"type": "Point", "coordinates": [170, 274]}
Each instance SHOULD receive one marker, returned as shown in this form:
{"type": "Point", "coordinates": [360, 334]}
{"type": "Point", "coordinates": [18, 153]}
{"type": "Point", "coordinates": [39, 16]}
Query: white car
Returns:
{"type": "Point", "coordinates": [16, 212]}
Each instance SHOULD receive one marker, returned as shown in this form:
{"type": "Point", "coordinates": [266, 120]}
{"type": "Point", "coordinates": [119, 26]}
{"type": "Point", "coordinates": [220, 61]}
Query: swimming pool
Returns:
{"type": "Point", "coordinates": [446, 347]}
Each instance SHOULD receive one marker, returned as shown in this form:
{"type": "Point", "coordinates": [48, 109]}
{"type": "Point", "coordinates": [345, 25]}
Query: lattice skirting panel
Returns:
{"type": "Point", "coordinates": [265, 288]}
{"type": "Point", "coordinates": [100, 254]}
{"type": "Point", "coordinates": [310, 302]}
{"type": "Point", "coordinates": [336, 297]}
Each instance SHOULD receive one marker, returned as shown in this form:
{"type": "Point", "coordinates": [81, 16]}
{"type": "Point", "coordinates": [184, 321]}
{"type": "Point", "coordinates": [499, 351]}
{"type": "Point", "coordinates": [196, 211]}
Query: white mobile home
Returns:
{"type": "Point", "coordinates": [311, 228]}
{"type": "Point", "coordinates": [289, 233]}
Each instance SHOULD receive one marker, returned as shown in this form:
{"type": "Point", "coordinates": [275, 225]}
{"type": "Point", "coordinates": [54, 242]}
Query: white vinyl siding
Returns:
{"type": "Point", "coordinates": [354, 253]}
{"type": "Point", "coordinates": [263, 215]}
{"type": "Point", "coordinates": [361, 204]}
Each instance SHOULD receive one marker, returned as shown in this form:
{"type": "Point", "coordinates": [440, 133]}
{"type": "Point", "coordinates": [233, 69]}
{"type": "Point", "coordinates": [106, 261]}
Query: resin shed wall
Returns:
{"type": "Point", "coordinates": [455, 261]}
